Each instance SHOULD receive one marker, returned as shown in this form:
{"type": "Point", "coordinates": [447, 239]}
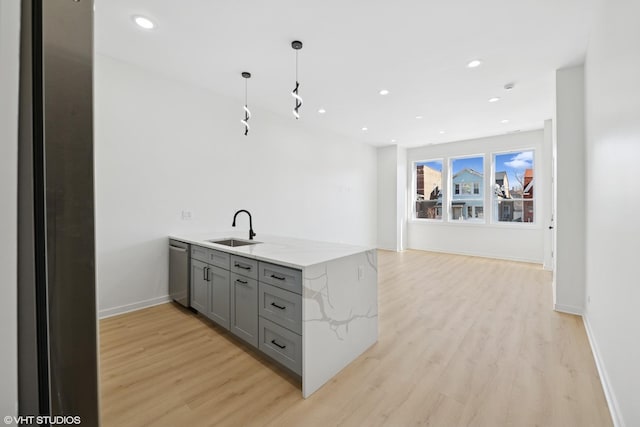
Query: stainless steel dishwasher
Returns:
{"type": "Point", "coordinates": [179, 272]}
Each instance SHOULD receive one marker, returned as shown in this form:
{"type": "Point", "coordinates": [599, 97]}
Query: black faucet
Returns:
{"type": "Point", "coordinates": [251, 233]}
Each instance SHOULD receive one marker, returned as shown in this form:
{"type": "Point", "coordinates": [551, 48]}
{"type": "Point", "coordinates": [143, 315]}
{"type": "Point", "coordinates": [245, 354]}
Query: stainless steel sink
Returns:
{"type": "Point", "coordinates": [233, 242]}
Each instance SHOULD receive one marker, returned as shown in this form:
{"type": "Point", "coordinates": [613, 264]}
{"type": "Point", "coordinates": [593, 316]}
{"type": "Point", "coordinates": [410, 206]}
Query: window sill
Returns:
{"type": "Point", "coordinates": [453, 223]}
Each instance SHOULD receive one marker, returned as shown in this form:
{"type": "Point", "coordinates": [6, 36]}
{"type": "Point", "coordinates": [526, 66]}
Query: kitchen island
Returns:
{"type": "Point", "coordinates": [336, 286]}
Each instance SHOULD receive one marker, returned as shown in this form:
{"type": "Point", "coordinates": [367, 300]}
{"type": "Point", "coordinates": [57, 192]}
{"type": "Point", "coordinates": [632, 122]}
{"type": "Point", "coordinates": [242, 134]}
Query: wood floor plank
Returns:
{"type": "Point", "coordinates": [463, 341]}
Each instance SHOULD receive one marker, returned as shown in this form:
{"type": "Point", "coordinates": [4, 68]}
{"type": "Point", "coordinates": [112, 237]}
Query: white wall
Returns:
{"type": "Point", "coordinates": [521, 242]}
{"type": "Point", "coordinates": [549, 211]}
{"type": "Point", "coordinates": [402, 192]}
{"type": "Point", "coordinates": [392, 198]}
{"type": "Point", "coordinates": [612, 312]}
{"type": "Point", "coordinates": [163, 146]}
{"type": "Point", "coordinates": [387, 197]}
{"type": "Point", "coordinates": [570, 210]}
{"type": "Point", "coordinates": [9, 68]}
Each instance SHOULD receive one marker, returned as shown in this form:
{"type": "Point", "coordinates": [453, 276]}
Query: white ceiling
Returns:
{"type": "Point", "coordinates": [417, 49]}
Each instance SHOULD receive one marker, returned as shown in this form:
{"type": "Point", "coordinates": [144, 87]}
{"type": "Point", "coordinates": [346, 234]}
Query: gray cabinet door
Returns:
{"type": "Point", "coordinates": [218, 307]}
{"type": "Point", "coordinates": [244, 308]}
{"type": "Point", "coordinates": [199, 286]}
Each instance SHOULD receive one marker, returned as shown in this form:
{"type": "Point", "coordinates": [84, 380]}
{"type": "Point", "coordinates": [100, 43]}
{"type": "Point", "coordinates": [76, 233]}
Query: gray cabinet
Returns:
{"type": "Point", "coordinates": [259, 302]}
{"type": "Point", "coordinates": [244, 266]}
{"type": "Point", "coordinates": [280, 310]}
{"type": "Point", "coordinates": [280, 306]}
{"type": "Point", "coordinates": [283, 277]}
{"type": "Point", "coordinates": [199, 285]}
{"type": "Point", "coordinates": [199, 253]}
{"type": "Point", "coordinates": [210, 290]}
{"type": "Point", "coordinates": [218, 297]}
{"type": "Point", "coordinates": [244, 308]}
{"type": "Point", "coordinates": [281, 344]}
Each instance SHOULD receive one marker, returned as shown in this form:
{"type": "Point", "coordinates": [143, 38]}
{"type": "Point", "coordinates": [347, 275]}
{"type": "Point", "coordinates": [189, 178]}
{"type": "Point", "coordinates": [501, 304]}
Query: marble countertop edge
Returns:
{"type": "Point", "coordinates": [292, 252]}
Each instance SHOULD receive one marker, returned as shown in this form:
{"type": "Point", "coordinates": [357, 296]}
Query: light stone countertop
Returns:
{"type": "Point", "coordinates": [292, 252]}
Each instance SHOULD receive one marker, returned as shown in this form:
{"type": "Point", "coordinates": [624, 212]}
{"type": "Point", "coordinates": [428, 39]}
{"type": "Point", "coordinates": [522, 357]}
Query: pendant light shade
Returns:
{"type": "Point", "coordinates": [296, 45]}
{"type": "Point", "coordinates": [247, 113]}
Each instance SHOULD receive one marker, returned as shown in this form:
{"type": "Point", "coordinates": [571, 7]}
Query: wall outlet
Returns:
{"type": "Point", "coordinates": [360, 272]}
{"type": "Point", "coordinates": [186, 215]}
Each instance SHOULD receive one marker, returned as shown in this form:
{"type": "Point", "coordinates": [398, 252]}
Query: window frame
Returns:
{"type": "Point", "coordinates": [414, 190]}
{"type": "Point", "coordinates": [512, 224]}
{"type": "Point", "coordinates": [481, 197]}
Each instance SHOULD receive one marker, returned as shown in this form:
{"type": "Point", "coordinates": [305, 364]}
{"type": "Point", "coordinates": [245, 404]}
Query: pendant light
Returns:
{"type": "Point", "coordinates": [247, 113]}
{"type": "Point", "coordinates": [296, 45]}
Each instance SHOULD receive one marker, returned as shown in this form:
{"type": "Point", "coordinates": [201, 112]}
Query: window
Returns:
{"type": "Point", "coordinates": [428, 189]}
{"type": "Point", "coordinates": [513, 187]}
{"type": "Point", "coordinates": [467, 181]}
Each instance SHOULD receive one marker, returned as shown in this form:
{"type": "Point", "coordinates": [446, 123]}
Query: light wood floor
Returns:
{"type": "Point", "coordinates": [463, 341]}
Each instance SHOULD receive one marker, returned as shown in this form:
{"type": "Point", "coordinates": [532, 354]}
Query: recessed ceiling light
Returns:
{"type": "Point", "coordinates": [384, 92]}
{"type": "Point", "coordinates": [504, 121]}
{"type": "Point", "coordinates": [143, 22]}
{"type": "Point", "coordinates": [494, 99]}
{"type": "Point", "coordinates": [393, 140]}
{"type": "Point", "coordinates": [322, 111]}
{"type": "Point", "coordinates": [364, 129]}
{"type": "Point", "coordinates": [475, 63]}
{"type": "Point", "coordinates": [418, 117]}
{"type": "Point", "coordinates": [442, 132]}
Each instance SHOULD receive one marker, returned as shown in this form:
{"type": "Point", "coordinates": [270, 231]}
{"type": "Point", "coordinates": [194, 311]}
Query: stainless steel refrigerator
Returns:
{"type": "Point", "coordinates": [57, 324]}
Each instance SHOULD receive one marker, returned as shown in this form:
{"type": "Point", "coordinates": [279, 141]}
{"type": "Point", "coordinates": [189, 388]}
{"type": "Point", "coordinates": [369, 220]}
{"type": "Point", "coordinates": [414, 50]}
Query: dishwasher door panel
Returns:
{"type": "Point", "coordinates": [179, 272]}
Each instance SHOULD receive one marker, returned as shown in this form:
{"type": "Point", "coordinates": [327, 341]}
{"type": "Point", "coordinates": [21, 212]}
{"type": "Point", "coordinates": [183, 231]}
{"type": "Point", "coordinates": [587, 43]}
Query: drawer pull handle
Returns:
{"type": "Point", "coordinates": [277, 277]}
{"type": "Point", "coordinates": [274, 342]}
{"type": "Point", "coordinates": [281, 307]}
{"type": "Point", "coordinates": [241, 281]}
{"type": "Point", "coordinates": [244, 267]}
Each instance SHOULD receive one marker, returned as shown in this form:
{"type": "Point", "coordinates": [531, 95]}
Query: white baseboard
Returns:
{"type": "Point", "coordinates": [569, 309]}
{"type": "Point", "coordinates": [479, 255]}
{"type": "Point", "coordinates": [614, 410]}
{"type": "Point", "coordinates": [388, 248]}
{"type": "Point", "coordinates": [108, 312]}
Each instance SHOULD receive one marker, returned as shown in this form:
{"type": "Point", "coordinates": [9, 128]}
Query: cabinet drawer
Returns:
{"type": "Point", "coordinates": [281, 344]}
{"type": "Point", "coordinates": [245, 266]}
{"type": "Point", "coordinates": [219, 259]}
{"type": "Point", "coordinates": [282, 277]}
{"type": "Point", "coordinates": [280, 306]}
{"type": "Point", "coordinates": [199, 253]}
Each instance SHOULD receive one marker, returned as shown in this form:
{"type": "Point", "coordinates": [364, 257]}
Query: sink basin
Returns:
{"type": "Point", "coordinates": [233, 242]}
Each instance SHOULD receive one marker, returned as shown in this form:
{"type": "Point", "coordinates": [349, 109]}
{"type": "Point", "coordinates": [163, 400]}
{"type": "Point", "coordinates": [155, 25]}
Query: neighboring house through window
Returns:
{"type": "Point", "coordinates": [467, 179]}
{"type": "Point", "coordinates": [513, 187]}
{"type": "Point", "coordinates": [428, 198]}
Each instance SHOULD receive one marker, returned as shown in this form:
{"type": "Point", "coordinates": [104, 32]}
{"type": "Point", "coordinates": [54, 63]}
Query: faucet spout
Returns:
{"type": "Point", "coordinates": [251, 233]}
